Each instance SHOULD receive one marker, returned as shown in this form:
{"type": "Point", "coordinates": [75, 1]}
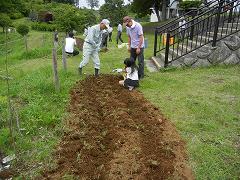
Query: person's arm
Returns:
{"type": "Point", "coordinates": [138, 50]}
{"type": "Point", "coordinates": [129, 43]}
{"type": "Point", "coordinates": [140, 41]}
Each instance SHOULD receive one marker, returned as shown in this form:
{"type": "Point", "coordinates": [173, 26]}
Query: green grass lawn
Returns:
{"type": "Point", "coordinates": [203, 103]}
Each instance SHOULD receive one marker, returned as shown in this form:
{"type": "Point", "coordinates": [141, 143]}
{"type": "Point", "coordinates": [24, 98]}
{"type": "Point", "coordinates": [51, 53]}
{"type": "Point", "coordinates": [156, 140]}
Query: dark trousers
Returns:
{"type": "Point", "coordinates": [140, 56]}
{"type": "Point", "coordinates": [110, 37]}
{"type": "Point", "coordinates": [74, 53]}
{"type": "Point", "coordinates": [104, 40]}
{"type": "Point", "coordinates": [119, 36]}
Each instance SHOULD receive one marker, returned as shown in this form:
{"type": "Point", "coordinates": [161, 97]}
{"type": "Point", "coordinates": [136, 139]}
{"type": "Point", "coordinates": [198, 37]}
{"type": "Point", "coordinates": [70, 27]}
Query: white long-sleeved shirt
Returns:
{"type": "Point", "coordinates": [94, 36]}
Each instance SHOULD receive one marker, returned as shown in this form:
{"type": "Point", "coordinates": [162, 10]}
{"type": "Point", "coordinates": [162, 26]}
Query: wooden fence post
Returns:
{"type": "Point", "coordinates": [64, 56]}
{"type": "Point", "coordinates": [43, 40]}
{"type": "Point", "coordinates": [25, 39]}
{"type": "Point", "coordinates": [55, 72]}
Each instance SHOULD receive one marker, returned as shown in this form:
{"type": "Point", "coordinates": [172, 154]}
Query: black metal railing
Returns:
{"type": "Point", "coordinates": [208, 27]}
{"type": "Point", "coordinates": [159, 31]}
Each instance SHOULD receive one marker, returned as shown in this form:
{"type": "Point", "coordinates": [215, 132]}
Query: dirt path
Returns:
{"type": "Point", "coordinates": [114, 133]}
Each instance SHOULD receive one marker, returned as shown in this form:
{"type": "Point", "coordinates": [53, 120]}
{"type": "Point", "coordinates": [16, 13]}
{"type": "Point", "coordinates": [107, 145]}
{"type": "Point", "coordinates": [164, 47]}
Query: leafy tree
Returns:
{"type": "Point", "coordinates": [13, 7]}
{"type": "Point", "coordinates": [142, 7]}
{"type": "Point", "coordinates": [113, 10]}
{"type": "Point", "coordinates": [72, 18]}
{"type": "Point", "coordinates": [66, 1]}
{"type": "Point", "coordinates": [23, 30]}
{"type": "Point", "coordinates": [93, 3]}
{"type": "Point", "coordinates": [189, 4]}
{"type": "Point", "coordinates": [5, 21]}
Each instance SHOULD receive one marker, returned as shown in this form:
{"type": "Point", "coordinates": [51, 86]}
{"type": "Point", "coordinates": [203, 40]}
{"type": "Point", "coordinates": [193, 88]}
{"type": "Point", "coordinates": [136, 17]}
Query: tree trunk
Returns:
{"type": "Point", "coordinates": [164, 9]}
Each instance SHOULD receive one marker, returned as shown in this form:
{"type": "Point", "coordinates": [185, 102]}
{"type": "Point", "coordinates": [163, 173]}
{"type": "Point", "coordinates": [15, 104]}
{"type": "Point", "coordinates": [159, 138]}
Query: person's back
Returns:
{"type": "Point", "coordinates": [70, 42]}
{"type": "Point", "coordinates": [132, 75]}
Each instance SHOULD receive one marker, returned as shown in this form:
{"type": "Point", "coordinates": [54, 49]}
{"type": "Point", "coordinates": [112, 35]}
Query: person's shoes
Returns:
{"type": "Point", "coordinates": [80, 71]}
{"type": "Point", "coordinates": [96, 72]}
{"type": "Point", "coordinates": [130, 88]}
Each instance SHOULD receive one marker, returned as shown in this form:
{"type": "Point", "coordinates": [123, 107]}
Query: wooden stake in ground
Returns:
{"type": "Point", "coordinates": [55, 72]}
{"type": "Point", "coordinates": [10, 108]}
{"type": "Point", "coordinates": [25, 40]}
{"type": "Point", "coordinates": [43, 40]}
{"type": "Point", "coordinates": [64, 56]}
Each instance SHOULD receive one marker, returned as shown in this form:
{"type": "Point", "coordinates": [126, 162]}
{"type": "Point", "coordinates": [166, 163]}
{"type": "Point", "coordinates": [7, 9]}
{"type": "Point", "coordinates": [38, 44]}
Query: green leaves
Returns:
{"type": "Point", "coordinates": [113, 10]}
{"type": "Point", "coordinates": [5, 20]}
{"type": "Point", "coordinates": [23, 29]}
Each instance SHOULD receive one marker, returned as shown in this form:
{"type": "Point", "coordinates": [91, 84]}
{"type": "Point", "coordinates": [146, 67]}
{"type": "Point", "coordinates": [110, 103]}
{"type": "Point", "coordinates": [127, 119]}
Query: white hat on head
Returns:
{"type": "Point", "coordinates": [106, 22]}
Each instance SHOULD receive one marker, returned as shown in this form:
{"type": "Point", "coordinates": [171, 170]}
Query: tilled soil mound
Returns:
{"type": "Point", "coordinates": [114, 133]}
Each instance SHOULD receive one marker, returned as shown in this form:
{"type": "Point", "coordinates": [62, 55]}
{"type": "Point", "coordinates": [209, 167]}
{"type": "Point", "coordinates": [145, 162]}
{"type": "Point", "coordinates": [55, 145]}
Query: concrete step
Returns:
{"type": "Point", "coordinates": [196, 43]}
{"type": "Point", "coordinates": [178, 51]}
{"type": "Point", "coordinates": [203, 39]}
{"type": "Point", "coordinates": [190, 45]}
{"type": "Point", "coordinates": [219, 34]}
{"type": "Point", "coordinates": [151, 67]}
{"type": "Point", "coordinates": [232, 25]}
{"type": "Point", "coordinates": [158, 61]}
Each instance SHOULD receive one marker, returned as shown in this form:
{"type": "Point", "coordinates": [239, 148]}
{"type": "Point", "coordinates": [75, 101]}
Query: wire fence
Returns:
{"type": "Point", "coordinates": [9, 117]}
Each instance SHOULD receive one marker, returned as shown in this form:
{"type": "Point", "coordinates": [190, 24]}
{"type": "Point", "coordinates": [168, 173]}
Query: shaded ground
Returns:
{"type": "Point", "coordinates": [114, 133]}
{"type": "Point", "coordinates": [4, 173]}
{"type": "Point", "coordinates": [79, 42]}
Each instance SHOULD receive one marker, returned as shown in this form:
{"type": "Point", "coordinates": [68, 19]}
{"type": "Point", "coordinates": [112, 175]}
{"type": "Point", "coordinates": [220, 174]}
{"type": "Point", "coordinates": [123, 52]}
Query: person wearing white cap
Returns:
{"type": "Point", "coordinates": [91, 45]}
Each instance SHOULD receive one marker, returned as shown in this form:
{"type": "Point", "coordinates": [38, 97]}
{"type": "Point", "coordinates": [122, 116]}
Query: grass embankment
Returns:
{"type": "Point", "coordinates": [203, 103]}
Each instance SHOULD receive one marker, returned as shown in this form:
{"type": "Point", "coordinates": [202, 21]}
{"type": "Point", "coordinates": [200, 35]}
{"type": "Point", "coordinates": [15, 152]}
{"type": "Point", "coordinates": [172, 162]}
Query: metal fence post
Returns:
{"type": "Point", "coordinates": [167, 50]}
{"type": "Point", "coordinates": [217, 24]}
{"type": "Point", "coordinates": [155, 42]}
{"type": "Point", "coordinates": [193, 14]}
{"type": "Point", "coordinates": [230, 16]}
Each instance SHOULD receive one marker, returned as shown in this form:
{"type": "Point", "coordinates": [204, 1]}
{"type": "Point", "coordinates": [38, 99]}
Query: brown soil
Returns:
{"type": "Point", "coordinates": [114, 133]}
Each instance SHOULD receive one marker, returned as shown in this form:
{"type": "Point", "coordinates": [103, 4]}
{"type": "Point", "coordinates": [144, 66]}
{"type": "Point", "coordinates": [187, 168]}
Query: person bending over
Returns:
{"type": "Point", "coordinates": [91, 46]}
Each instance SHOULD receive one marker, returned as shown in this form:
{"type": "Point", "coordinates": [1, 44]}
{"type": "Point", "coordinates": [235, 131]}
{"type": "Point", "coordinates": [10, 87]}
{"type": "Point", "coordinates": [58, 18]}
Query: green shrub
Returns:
{"type": "Point", "coordinates": [35, 53]}
{"type": "Point", "coordinates": [4, 137]}
{"type": "Point", "coordinates": [23, 29]}
{"type": "Point", "coordinates": [15, 15]}
{"type": "Point", "coordinates": [43, 26]}
{"type": "Point", "coordinates": [5, 20]}
{"type": "Point", "coordinates": [189, 4]}
{"type": "Point", "coordinates": [72, 18]}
